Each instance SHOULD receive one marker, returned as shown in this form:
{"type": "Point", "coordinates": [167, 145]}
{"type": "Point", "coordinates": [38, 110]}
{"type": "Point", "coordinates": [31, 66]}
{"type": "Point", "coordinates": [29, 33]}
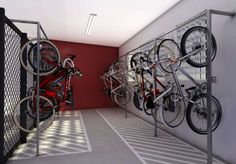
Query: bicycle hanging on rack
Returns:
{"type": "Point", "coordinates": [116, 84]}
{"type": "Point", "coordinates": [144, 91]}
{"type": "Point", "coordinates": [54, 88]}
{"type": "Point", "coordinates": [196, 113]}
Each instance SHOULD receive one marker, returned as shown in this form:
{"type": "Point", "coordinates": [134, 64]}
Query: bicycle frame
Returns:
{"type": "Point", "coordinates": [110, 79]}
{"type": "Point", "coordinates": [56, 86]}
{"type": "Point", "coordinates": [143, 79]}
{"type": "Point", "coordinates": [58, 78]}
{"type": "Point", "coordinates": [175, 67]}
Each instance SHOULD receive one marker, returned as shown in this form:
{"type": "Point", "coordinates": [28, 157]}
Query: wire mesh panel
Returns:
{"type": "Point", "coordinates": [11, 86]}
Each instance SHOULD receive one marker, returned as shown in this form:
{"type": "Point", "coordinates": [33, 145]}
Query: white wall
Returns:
{"type": "Point", "coordinates": [224, 29]}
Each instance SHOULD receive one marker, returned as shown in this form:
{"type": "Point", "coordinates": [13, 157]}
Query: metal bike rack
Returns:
{"type": "Point", "coordinates": [208, 23]}
{"type": "Point", "coordinates": [209, 78]}
{"type": "Point", "coordinates": [39, 30]}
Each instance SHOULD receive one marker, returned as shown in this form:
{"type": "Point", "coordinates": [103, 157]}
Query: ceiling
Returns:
{"type": "Point", "coordinates": [116, 22]}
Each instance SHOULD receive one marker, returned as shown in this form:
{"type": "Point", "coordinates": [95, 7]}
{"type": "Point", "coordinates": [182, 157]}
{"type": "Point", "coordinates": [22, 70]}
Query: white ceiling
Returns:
{"type": "Point", "coordinates": [117, 20]}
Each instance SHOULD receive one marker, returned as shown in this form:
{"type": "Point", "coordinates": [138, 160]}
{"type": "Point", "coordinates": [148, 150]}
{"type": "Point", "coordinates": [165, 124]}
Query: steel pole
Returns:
{"type": "Point", "coordinates": [209, 89]}
{"type": "Point", "coordinates": [38, 89]}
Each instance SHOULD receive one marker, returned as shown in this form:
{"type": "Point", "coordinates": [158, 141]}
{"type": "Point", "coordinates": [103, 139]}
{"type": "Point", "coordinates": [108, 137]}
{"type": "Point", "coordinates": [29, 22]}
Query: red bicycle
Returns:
{"type": "Point", "coordinates": [55, 88]}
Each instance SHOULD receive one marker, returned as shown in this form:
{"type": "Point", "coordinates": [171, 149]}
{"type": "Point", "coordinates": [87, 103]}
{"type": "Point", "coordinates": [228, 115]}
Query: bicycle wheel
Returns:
{"type": "Point", "coordinates": [119, 69]}
{"type": "Point", "coordinates": [152, 55]}
{"type": "Point", "coordinates": [173, 111]}
{"type": "Point", "coordinates": [137, 100]}
{"type": "Point", "coordinates": [138, 60]}
{"type": "Point", "coordinates": [50, 57]}
{"type": "Point", "coordinates": [148, 104]}
{"type": "Point", "coordinates": [193, 39]}
{"type": "Point", "coordinates": [167, 51]}
{"type": "Point", "coordinates": [26, 108]}
{"type": "Point", "coordinates": [122, 96]}
{"type": "Point", "coordinates": [196, 114]}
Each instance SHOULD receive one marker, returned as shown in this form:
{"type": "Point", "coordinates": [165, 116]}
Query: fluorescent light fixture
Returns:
{"type": "Point", "coordinates": [90, 24]}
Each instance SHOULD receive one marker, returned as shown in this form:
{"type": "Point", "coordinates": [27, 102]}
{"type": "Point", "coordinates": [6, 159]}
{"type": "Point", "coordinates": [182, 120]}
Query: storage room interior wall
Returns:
{"type": "Point", "coordinates": [223, 68]}
{"type": "Point", "coordinates": [92, 61]}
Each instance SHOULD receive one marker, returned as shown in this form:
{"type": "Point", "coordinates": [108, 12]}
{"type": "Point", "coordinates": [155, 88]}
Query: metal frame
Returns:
{"type": "Point", "coordinates": [39, 30]}
{"type": "Point", "coordinates": [23, 92]}
{"type": "Point", "coordinates": [209, 78]}
{"type": "Point", "coordinates": [2, 40]}
{"type": "Point", "coordinates": [208, 14]}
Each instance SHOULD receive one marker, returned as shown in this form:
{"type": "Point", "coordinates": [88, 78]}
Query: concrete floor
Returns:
{"type": "Point", "coordinates": [107, 147]}
{"type": "Point", "coordinates": [115, 139]}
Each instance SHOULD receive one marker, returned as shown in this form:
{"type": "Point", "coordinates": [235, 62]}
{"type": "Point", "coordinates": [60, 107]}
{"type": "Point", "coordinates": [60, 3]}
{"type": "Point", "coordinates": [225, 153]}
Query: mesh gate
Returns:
{"type": "Point", "coordinates": [13, 85]}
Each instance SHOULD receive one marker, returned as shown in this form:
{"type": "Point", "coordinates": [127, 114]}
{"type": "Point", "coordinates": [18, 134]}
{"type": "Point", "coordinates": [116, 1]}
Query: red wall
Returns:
{"type": "Point", "coordinates": [92, 61]}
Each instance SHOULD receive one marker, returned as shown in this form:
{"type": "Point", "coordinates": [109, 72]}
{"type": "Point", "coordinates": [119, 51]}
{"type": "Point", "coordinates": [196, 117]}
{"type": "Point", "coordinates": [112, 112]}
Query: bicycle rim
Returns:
{"type": "Point", "coordinates": [192, 40]}
{"type": "Point", "coordinates": [173, 111]}
{"type": "Point", "coordinates": [24, 62]}
{"type": "Point", "coordinates": [30, 115]}
{"type": "Point", "coordinates": [196, 114]}
{"type": "Point", "coordinates": [168, 48]}
{"type": "Point", "coordinates": [122, 96]}
{"type": "Point", "coordinates": [152, 55]}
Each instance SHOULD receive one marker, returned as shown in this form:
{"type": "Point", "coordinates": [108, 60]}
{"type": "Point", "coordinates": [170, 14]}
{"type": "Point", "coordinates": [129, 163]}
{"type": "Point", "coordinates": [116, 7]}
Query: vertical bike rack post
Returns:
{"type": "Point", "coordinates": [209, 89]}
{"type": "Point", "coordinates": [154, 90]}
{"type": "Point", "coordinates": [126, 113]}
{"type": "Point", "coordinates": [23, 92]}
{"type": "Point", "coordinates": [209, 79]}
{"type": "Point", "coordinates": [38, 89]}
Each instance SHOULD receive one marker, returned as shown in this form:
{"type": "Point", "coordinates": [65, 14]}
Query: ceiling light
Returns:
{"type": "Point", "coordinates": [91, 21]}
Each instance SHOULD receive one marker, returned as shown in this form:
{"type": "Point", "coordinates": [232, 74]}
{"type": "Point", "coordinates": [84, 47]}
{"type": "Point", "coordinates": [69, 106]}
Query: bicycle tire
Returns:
{"type": "Point", "coordinates": [136, 101]}
{"type": "Point", "coordinates": [168, 48]}
{"type": "Point", "coordinates": [146, 109]}
{"type": "Point", "coordinates": [119, 68]}
{"type": "Point", "coordinates": [189, 44]}
{"type": "Point", "coordinates": [192, 109]}
{"type": "Point", "coordinates": [44, 123]}
{"type": "Point", "coordinates": [122, 96]}
{"type": "Point", "coordinates": [32, 57]}
{"type": "Point", "coordinates": [173, 112]}
{"type": "Point", "coordinates": [135, 62]}
{"type": "Point", "coordinates": [152, 54]}
{"type": "Point", "coordinates": [30, 70]}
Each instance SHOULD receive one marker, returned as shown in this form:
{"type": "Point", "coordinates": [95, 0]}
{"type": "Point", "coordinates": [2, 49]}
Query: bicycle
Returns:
{"type": "Point", "coordinates": [144, 90]}
{"type": "Point", "coordinates": [116, 84]}
{"type": "Point", "coordinates": [195, 98]}
{"type": "Point", "coordinates": [54, 89]}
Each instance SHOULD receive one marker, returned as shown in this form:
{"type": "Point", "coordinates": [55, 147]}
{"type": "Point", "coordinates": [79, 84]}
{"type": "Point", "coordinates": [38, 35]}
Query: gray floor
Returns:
{"type": "Point", "coordinates": [66, 135]}
{"type": "Point", "coordinates": [115, 139]}
{"type": "Point", "coordinates": [107, 146]}
{"type": "Point", "coordinates": [163, 149]}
